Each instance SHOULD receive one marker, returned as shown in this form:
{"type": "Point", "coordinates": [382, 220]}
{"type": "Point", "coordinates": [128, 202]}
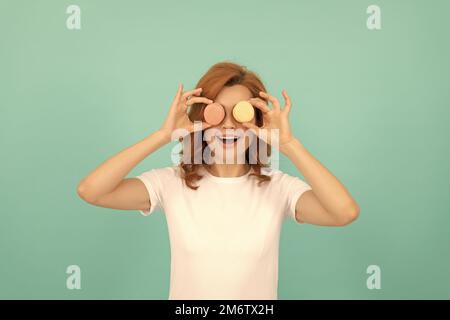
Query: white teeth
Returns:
{"type": "Point", "coordinates": [228, 139]}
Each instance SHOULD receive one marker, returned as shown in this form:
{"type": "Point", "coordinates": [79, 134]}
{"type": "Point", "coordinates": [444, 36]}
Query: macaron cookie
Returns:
{"type": "Point", "coordinates": [213, 114]}
{"type": "Point", "coordinates": [243, 111]}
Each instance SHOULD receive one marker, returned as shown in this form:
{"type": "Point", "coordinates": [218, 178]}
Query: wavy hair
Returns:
{"type": "Point", "coordinates": [223, 74]}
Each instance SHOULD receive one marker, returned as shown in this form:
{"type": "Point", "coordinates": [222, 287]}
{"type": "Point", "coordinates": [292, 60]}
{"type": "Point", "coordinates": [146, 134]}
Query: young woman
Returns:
{"type": "Point", "coordinates": [224, 217]}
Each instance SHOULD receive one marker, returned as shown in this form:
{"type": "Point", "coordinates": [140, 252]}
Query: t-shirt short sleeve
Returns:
{"type": "Point", "coordinates": [293, 187]}
{"type": "Point", "coordinates": [154, 181]}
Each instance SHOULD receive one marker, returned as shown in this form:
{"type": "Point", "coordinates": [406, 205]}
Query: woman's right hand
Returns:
{"type": "Point", "coordinates": [177, 117]}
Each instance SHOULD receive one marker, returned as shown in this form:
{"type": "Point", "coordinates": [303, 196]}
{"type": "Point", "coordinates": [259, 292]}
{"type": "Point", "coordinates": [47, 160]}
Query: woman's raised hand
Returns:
{"type": "Point", "coordinates": [177, 117]}
{"type": "Point", "coordinates": [275, 118]}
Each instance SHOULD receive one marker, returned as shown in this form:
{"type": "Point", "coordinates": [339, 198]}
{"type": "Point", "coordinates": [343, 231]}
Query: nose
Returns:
{"type": "Point", "coordinates": [228, 122]}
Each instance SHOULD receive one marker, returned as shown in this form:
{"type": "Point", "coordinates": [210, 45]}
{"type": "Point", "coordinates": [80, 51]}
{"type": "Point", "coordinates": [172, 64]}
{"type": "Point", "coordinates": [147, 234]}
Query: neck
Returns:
{"type": "Point", "coordinates": [228, 170]}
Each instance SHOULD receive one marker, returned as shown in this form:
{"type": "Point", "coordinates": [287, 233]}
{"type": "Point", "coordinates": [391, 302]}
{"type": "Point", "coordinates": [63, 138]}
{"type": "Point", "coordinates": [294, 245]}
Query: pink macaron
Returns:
{"type": "Point", "coordinates": [213, 114]}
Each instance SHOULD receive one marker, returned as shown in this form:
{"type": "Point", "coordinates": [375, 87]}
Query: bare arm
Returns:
{"type": "Point", "coordinates": [328, 203]}
{"type": "Point", "coordinates": [106, 186]}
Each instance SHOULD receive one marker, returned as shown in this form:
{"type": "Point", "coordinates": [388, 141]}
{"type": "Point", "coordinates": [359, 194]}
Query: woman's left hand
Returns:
{"type": "Point", "coordinates": [274, 118]}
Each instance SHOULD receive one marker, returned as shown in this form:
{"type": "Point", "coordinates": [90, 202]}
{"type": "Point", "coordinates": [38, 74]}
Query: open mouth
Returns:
{"type": "Point", "coordinates": [228, 140]}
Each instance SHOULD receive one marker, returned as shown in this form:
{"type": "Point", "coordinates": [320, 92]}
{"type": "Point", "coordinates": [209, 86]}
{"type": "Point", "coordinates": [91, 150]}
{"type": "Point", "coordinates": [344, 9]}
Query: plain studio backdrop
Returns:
{"type": "Point", "coordinates": [371, 105]}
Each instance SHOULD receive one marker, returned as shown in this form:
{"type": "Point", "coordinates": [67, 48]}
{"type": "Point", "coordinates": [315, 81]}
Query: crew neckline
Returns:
{"type": "Point", "coordinates": [226, 179]}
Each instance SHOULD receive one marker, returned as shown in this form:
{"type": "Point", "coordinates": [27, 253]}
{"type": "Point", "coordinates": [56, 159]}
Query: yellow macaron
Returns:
{"type": "Point", "coordinates": [243, 111]}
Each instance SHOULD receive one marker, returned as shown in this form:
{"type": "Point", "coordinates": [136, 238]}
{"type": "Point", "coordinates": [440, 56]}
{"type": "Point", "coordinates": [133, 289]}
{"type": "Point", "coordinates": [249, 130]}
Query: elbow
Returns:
{"type": "Point", "coordinates": [84, 194]}
{"type": "Point", "coordinates": [348, 215]}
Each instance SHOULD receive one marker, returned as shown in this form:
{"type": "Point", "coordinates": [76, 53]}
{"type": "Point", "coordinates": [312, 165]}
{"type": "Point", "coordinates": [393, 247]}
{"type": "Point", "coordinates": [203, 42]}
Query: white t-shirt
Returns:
{"type": "Point", "coordinates": [224, 236]}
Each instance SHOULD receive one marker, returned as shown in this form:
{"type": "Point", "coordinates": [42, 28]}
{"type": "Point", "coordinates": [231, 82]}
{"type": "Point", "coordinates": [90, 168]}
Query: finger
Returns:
{"type": "Point", "coordinates": [260, 104]}
{"type": "Point", "coordinates": [288, 104]}
{"type": "Point", "coordinates": [177, 97]}
{"type": "Point", "coordinates": [180, 90]}
{"type": "Point", "coordinates": [199, 100]}
{"type": "Point", "coordinates": [190, 93]}
{"type": "Point", "coordinates": [185, 97]}
{"type": "Point", "coordinates": [272, 99]}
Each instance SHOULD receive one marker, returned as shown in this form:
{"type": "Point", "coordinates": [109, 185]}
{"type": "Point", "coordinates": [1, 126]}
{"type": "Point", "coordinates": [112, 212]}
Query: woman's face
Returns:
{"type": "Point", "coordinates": [238, 138]}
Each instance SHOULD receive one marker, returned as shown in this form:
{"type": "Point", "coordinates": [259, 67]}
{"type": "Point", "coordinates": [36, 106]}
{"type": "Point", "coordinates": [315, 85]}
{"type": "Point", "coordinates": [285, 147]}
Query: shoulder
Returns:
{"type": "Point", "coordinates": [281, 178]}
{"type": "Point", "coordinates": [163, 174]}
{"type": "Point", "coordinates": [168, 171]}
{"type": "Point", "coordinates": [274, 174]}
